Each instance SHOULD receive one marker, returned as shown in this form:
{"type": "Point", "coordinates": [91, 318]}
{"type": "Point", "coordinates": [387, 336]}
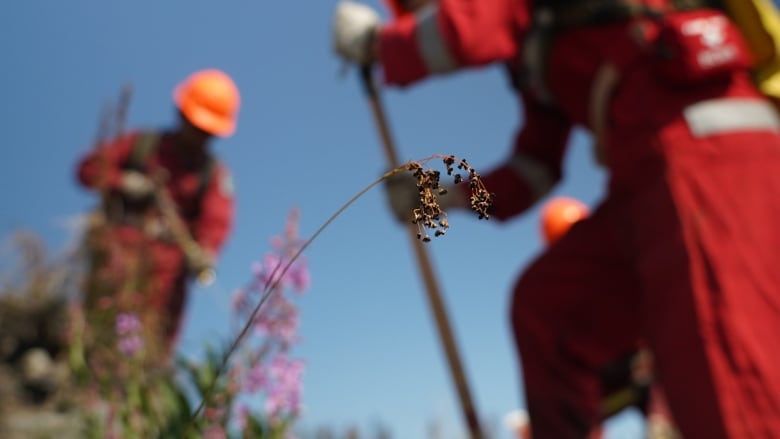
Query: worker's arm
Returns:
{"type": "Point", "coordinates": [102, 167]}
{"type": "Point", "coordinates": [533, 167]}
{"type": "Point", "coordinates": [441, 37]}
{"type": "Point", "coordinates": [213, 225]}
{"type": "Point", "coordinates": [448, 35]}
{"type": "Point", "coordinates": [530, 171]}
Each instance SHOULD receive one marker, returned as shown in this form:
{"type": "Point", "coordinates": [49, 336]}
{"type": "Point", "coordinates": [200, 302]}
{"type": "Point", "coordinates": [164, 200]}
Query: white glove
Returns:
{"type": "Point", "coordinates": [403, 196]}
{"type": "Point", "coordinates": [200, 263]}
{"type": "Point", "coordinates": [136, 185]}
{"type": "Point", "coordinates": [354, 26]}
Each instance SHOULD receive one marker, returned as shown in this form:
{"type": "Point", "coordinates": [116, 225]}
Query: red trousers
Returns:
{"type": "Point", "coordinates": [146, 275]}
{"type": "Point", "coordinates": [686, 257]}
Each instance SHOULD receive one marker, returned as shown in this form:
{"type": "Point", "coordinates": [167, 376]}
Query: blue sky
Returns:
{"type": "Point", "coordinates": [305, 139]}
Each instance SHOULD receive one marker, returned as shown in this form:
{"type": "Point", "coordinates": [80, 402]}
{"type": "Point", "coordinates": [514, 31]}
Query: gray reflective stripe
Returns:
{"type": "Point", "coordinates": [534, 172]}
{"type": "Point", "coordinates": [433, 49]}
{"type": "Point", "coordinates": [717, 116]}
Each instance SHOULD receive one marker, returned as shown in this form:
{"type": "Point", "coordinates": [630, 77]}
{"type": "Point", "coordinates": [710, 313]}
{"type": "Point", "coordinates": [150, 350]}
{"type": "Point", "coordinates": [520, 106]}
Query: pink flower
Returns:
{"type": "Point", "coordinates": [131, 344]}
{"type": "Point", "coordinates": [266, 367]}
{"type": "Point", "coordinates": [299, 276]}
{"type": "Point", "coordinates": [242, 415]}
{"type": "Point", "coordinates": [278, 321]}
{"type": "Point", "coordinates": [127, 323]}
{"type": "Point", "coordinates": [128, 328]}
{"type": "Point", "coordinates": [285, 387]}
{"type": "Point", "coordinates": [269, 272]}
{"type": "Point", "coordinates": [255, 379]}
{"type": "Point", "coordinates": [215, 431]}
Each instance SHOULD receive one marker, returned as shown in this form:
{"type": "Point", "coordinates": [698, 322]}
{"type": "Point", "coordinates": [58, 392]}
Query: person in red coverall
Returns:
{"type": "Point", "coordinates": [139, 170]}
{"type": "Point", "coordinates": [684, 245]}
{"type": "Point", "coordinates": [626, 381]}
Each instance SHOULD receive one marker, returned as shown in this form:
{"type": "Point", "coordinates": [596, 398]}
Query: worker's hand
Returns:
{"type": "Point", "coordinates": [200, 263]}
{"type": "Point", "coordinates": [354, 28]}
{"type": "Point", "coordinates": [136, 185]}
{"type": "Point", "coordinates": [403, 196]}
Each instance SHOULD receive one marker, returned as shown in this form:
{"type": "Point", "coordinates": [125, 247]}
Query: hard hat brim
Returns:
{"type": "Point", "coordinates": [204, 119]}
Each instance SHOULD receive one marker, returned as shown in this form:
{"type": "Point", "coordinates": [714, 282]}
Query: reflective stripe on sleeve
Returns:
{"type": "Point", "coordinates": [534, 172]}
{"type": "Point", "coordinates": [433, 48]}
{"type": "Point", "coordinates": [716, 116]}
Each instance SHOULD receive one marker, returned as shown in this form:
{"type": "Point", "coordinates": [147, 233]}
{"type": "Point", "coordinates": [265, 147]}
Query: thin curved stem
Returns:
{"type": "Point", "coordinates": [270, 287]}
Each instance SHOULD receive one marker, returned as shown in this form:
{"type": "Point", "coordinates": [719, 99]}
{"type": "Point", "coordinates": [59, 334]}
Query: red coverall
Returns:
{"type": "Point", "coordinates": [683, 250]}
{"type": "Point", "coordinates": [209, 218]}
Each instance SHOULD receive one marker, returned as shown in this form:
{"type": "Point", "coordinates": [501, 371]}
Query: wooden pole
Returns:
{"type": "Point", "coordinates": [423, 261]}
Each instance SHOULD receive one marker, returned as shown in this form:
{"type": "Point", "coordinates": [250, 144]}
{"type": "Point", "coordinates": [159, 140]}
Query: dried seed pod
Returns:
{"type": "Point", "coordinates": [428, 214]}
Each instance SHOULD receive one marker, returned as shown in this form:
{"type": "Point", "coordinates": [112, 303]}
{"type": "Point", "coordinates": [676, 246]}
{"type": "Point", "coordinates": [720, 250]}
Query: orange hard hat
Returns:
{"type": "Point", "coordinates": [558, 215]}
{"type": "Point", "coordinates": [209, 99]}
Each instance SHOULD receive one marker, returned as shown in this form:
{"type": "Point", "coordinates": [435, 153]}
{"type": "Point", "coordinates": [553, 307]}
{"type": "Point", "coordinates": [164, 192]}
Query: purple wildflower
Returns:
{"type": "Point", "coordinates": [267, 368]}
{"type": "Point", "coordinates": [128, 328]}
{"type": "Point", "coordinates": [285, 387]}
{"type": "Point", "coordinates": [131, 344]}
{"type": "Point", "coordinates": [215, 431]}
{"type": "Point", "coordinates": [278, 321]}
{"type": "Point", "coordinates": [299, 276]}
{"type": "Point", "coordinates": [127, 323]}
{"type": "Point", "coordinates": [255, 379]}
{"type": "Point", "coordinates": [242, 415]}
{"type": "Point", "coordinates": [269, 272]}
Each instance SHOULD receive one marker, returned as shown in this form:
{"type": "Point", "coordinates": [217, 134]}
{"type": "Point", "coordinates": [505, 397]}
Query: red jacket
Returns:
{"type": "Point", "coordinates": [454, 34]}
{"type": "Point", "coordinates": [209, 223]}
